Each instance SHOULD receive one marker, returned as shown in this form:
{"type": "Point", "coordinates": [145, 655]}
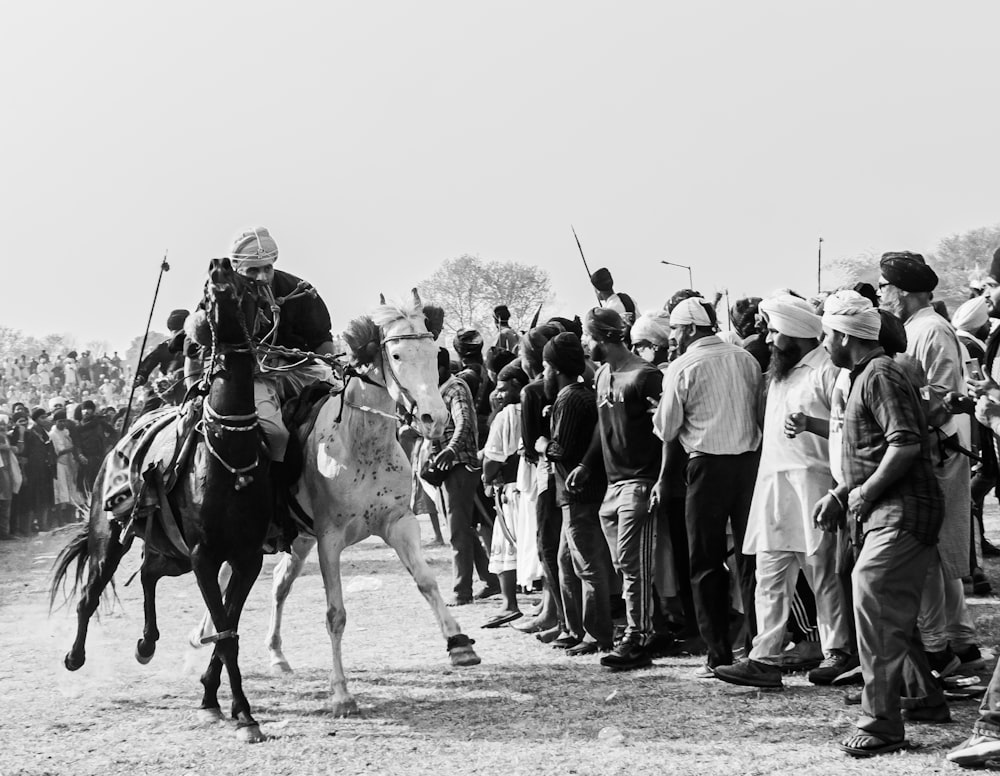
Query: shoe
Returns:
{"type": "Point", "coordinates": [970, 657]}
{"type": "Point", "coordinates": [836, 663]}
{"type": "Point", "coordinates": [627, 656]}
{"type": "Point", "coordinates": [980, 584]}
{"type": "Point", "coordinates": [977, 749]}
{"type": "Point", "coordinates": [585, 648]}
{"type": "Point", "coordinates": [939, 714]}
{"type": "Point", "coordinates": [750, 673]}
{"type": "Point", "coordinates": [487, 592]}
{"type": "Point", "coordinates": [943, 662]}
{"type": "Point", "coordinates": [989, 550]}
{"type": "Point", "coordinates": [565, 642]}
{"type": "Point", "coordinates": [664, 645]}
{"type": "Point", "coordinates": [705, 672]}
{"type": "Point", "coordinates": [459, 600]}
{"type": "Point", "coordinates": [866, 745]}
{"type": "Point", "coordinates": [804, 656]}
{"type": "Point", "coordinates": [502, 619]}
{"type": "Point", "coordinates": [849, 677]}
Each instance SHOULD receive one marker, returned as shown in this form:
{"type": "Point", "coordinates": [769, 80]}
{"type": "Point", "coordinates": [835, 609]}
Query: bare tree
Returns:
{"type": "Point", "coordinates": [468, 288]}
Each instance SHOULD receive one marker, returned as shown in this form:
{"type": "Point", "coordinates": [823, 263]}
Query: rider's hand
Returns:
{"type": "Point", "coordinates": [444, 460]}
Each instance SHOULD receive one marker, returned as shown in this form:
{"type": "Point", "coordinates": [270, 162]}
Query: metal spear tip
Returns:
{"type": "Point", "coordinates": [164, 266]}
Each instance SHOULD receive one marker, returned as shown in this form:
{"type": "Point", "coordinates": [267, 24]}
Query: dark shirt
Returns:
{"type": "Point", "coordinates": [460, 433]}
{"type": "Point", "coordinates": [534, 423]}
{"type": "Point", "coordinates": [884, 410]}
{"type": "Point", "coordinates": [478, 379]}
{"type": "Point", "coordinates": [94, 437]}
{"type": "Point", "coordinates": [624, 435]}
{"type": "Point", "coordinates": [305, 321]}
{"type": "Point", "coordinates": [757, 346]}
{"type": "Point", "coordinates": [573, 420]}
{"type": "Point", "coordinates": [168, 356]}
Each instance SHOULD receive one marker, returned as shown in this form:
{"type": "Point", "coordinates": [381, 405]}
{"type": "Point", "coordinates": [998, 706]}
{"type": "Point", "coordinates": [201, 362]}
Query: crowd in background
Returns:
{"type": "Point", "coordinates": [803, 491]}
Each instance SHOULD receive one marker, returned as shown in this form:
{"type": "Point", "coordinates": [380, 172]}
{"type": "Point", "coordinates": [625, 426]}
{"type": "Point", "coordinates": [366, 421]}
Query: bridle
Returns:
{"type": "Point", "coordinates": [409, 403]}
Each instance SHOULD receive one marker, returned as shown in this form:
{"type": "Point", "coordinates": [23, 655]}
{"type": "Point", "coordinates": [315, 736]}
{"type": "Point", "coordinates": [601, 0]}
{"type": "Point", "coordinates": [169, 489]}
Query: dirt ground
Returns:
{"type": "Point", "coordinates": [528, 709]}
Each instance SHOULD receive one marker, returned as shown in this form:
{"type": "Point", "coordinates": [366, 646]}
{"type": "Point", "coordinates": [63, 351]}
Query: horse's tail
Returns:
{"type": "Point", "coordinates": [86, 549]}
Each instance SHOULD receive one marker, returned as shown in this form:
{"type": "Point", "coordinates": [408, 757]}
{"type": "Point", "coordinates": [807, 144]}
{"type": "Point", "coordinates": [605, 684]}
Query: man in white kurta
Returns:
{"type": "Point", "coordinates": [794, 474]}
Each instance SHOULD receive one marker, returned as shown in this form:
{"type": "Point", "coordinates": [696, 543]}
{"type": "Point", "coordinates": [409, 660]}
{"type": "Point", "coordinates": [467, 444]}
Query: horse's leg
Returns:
{"type": "Point", "coordinates": [204, 628]}
{"type": "Point", "coordinates": [244, 573]}
{"type": "Point", "coordinates": [110, 555]}
{"type": "Point", "coordinates": [149, 575]}
{"type": "Point", "coordinates": [331, 544]}
{"type": "Point", "coordinates": [403, 536]}
{"type": "Point", "coordinates": [286, 571]}
{"type": "Point", "coordinates": [206, 571]}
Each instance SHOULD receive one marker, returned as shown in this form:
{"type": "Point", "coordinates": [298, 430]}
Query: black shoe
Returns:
{"type": "Point", "coordinates": [750, 673]}
{"type": "Point", "coordinates": [565, 642]}
{"type": "Point", "coordinates": [627, 656]}
{"type": "Point", "coordinates": [970, 657]}
{"type": "Point", "coordinates": [989, 550]}
{"type": "Point", "coordinates": [980, 584]}
{"type": "Point", "coordinates": [664, 645]}
{"type": "Point", "coordinates": [836, 663]}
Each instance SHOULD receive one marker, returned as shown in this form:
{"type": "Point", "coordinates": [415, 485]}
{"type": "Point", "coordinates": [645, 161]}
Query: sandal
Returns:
{"type": "Point", "coordinates": [867, 745]}
{"type": "Point", "coordinates": [502, 619]}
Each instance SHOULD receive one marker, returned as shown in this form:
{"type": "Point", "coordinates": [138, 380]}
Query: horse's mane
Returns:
{"type": "Point", "coordinates": [362, 334]}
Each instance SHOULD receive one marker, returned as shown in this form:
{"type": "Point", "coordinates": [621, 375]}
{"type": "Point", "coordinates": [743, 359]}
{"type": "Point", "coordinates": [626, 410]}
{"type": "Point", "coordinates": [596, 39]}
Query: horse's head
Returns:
{"type": "Point", "coordinates": [395, 340]}
{"type": "Point", "coordinates": [230, 303]}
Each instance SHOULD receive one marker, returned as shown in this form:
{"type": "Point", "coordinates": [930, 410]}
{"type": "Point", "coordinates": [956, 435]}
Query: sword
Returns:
{"type": "Point", "coordinates": [580, 248]}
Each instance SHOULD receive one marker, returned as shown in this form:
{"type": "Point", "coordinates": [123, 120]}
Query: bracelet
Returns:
{"type": "Point", "coordinates": [837, 498]}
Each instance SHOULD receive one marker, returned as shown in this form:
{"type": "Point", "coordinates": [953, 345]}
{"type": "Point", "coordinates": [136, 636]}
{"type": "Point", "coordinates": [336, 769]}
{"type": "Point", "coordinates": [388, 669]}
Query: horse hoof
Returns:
{"type": "Point", "coordinates": [464, 656]}
{"type": "Point", "coordinates": [143, 659]}
{"type": "Point", "coordinates": [281, 668]}
{"type": "Point", "coordinates": [73, 663]}
{"type": "Point", "coordinates": [210, 715]}
{"type": "Point", "coordinates": [250, 734]}
{"type": "Point", "coordinates": [347, 708]}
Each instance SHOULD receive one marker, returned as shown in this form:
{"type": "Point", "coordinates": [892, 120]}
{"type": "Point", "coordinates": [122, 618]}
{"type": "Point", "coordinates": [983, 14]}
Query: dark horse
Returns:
{"type": "Point", "coordinates": [223, 499]}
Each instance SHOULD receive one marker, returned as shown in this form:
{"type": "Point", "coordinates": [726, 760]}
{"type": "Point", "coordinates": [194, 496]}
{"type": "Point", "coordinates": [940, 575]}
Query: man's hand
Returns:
{"type": "Point", "coordinates": [444, 460]}
{"type": "Point", "coordinates": [985, 387]}
{"type": "Point", "coordinates": [957, 404]}
{"type": "Point", "coordinates": [541, 445]}
{"type": "Point", "coordinates": [657, 495]}
{"type": "Point", "coordinates": [858, 505]}
{"type": "Point", "coordinates": [828, 514]}
{"type": "Point", "coordinates": [987, 411]}
{"type": "Point", "coordinates": [795, 424]}
{"type": "Point", "coordinates": [577, 478]}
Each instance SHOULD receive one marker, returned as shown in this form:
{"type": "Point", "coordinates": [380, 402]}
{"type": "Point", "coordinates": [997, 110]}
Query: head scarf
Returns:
{"type": "Point", "coordinates": [87, 404]}
{"type": "Point", "coordinates": [533, 342]}
{"type": "Point", "coordinates": [602, 280]}
{"type": "Point", "coordinates": [501, 313]}
{"type": "Point", "coordinates": [908, 272]}
{"type": "Point", "coordinates": [652, 327]}
{"type": "Point", "coordinates": [792, 316]}
{"type": "Point", "coordinates": [467, 341]}
{"type": "Point", "coordinates": [867, 290]}
{"type": "Point", "coordinates": [254, 248]}
{"type": "Point", "coordinates": [604, 325]}
{"type": "Point", "coordinates": [175, 321]}
{"type": "Point", "coordinates": [512, 373]}
{"type": "Point", "coordinates": [565, 324]}
{"type": "Point", "coordinates": [56, 401]}
{"type": "Point", "coordinates": [744, 315]}
{"type": "Point", "coordinates": [565, 353]}
{"type": "Point", "coordinates": [59, 414]}
{"type": "Point", "coordinates": [497, 359]}
{"type": "Point", "coordinates": [972, 315]}
{"type": "Point", "coordinates": [690, 311]}
{"type": "Point", "coordinates": [851, 313]}
{"type": "Point", "coordinates": [892, 335]}
{"type": "Point", "coordinates": [680, 296]}
{"type": "Point", "coordinates": [38, 412]}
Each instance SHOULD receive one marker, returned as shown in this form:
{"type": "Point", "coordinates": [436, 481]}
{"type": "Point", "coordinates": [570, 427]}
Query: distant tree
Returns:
{"type": "Point", "coordinates": [844, 270]}
{"type": "Point", "coordinates": [468, 288]}
{"type": "Point", "coordinates": [98, 348]}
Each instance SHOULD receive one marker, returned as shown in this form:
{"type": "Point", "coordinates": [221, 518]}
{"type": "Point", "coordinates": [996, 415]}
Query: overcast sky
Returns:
{"type": "Point", "coordinates": [375, 140]}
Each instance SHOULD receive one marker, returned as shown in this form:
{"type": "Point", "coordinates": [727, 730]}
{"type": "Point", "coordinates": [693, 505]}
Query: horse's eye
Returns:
{"type": "Point", "coordinates": [396, 356]}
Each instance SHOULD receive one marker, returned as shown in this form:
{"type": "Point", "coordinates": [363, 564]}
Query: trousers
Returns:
{"type": "Point", "coordinates": [584, 562]}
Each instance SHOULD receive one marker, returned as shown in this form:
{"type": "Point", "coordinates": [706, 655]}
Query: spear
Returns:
{"type": "Point", "coordinates": [580, 248]}
{"type": "Point", "coordinates": [164, 267]}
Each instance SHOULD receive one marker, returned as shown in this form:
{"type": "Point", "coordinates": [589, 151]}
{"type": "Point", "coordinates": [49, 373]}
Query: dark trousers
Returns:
{"type": "Point", "coordinates": [467, 551]}
{"type": "Point", "coordinates": [549, 517]}
{"type": "Point", "coordinates": [584, 572]}
{"type": "Point", "coordinates": [719, 491]}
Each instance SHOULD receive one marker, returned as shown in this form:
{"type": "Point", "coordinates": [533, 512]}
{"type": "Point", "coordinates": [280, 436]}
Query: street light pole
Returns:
{"type": "Point", "coordinates": [819, 267]}
{"type": "Point", "coordinates": [682, 266]}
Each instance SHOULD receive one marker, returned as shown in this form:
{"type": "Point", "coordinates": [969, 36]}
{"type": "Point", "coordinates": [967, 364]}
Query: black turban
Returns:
{"type": "Point", "coordinates": [87, 404]}
{"type": "Point", "coordinates": [908, 272]}
{"type": "Point", "coordinates": [604, 325]}
{"type": "Point", "coordinates": [512, 373]}
{"type": "Point", "coordinates": [497, 359]}
{"type": "Point", "coordinates": [533, 342]}
{"type": "Point", "coordinates": [744, 315]}
{"type": "Point", "coordinates": [444, 359]}
{"type": "Point", "coordinates": [565, 353]}
{"type": "Point", "coordinates": [867, 290]}
{"type": "Point", "coordinates": [566, 324]}
{"type": "Point", "coordinates": [38, 412]}
{"type": "Point", "coordinates": [59, 414]}
{"type": "Point", "coordinates": [680, 296]}
{"type": "Point", "coordinates": [175, 321]}
{"type": "Point", "coordinates": [501, 313]}
{"type": "Point", "coordinates": [892, 335]}
{"type": "Point", "coordinates": [995, 266]}
{"type": "Point", "coordinates": [602, 280]}
{"type": "Point", "coordinates": [467, 341]}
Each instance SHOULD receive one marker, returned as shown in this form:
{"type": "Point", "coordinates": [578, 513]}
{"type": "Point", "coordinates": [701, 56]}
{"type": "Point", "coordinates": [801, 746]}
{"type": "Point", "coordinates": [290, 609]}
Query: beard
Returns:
{"type": "Point", "coordinates": [598, 352]}
{"type": "Point", "coordinates": [551, 383]}
{"type": "Point", "coordinates": [783, 361]}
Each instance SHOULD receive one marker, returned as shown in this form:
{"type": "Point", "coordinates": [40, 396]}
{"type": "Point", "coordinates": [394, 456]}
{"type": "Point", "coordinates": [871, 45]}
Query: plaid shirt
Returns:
{"type": "Point", "coordinates": [460, 433]}
{"type": "Point", "coordinates": [884, 410]}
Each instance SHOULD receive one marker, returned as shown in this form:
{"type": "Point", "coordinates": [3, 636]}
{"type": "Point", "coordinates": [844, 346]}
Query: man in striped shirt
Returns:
{"type": "Point", "coordinates": [711, 403]}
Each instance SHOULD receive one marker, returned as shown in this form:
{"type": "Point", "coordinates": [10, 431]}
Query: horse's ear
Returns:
{"type": "Point", "coordinates": [361, 336]}
{"type": "Point", "coordinates": [381, 298]}
{"type": "Point", "coordinates": [416, 299]}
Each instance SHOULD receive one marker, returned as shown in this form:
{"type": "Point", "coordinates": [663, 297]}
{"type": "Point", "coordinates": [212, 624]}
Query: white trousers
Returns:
{"type": "Point", "coordinates": [944, 616]}
{"type": "Point", "coordinates": [777, 573]}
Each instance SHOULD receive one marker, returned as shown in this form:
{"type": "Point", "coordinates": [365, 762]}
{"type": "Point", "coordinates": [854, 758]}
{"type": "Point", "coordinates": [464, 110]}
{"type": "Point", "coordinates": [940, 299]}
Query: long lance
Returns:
{"type": "Point", "coordinates": [580, 248]}
{"type": "Point", "coordinates": [164, 267]}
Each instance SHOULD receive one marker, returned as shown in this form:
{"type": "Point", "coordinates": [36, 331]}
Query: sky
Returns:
{"type": "Point", "coordinates": [376, 140]}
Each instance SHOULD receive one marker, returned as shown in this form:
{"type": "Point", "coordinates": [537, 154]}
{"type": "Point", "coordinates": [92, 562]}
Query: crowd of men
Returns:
{"type": "Point", "coordinates": [803, 491]}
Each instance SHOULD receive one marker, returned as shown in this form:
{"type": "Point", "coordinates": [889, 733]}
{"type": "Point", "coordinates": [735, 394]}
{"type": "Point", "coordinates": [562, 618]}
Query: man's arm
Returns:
{"type": "Point", "coordinates": [894, 466]}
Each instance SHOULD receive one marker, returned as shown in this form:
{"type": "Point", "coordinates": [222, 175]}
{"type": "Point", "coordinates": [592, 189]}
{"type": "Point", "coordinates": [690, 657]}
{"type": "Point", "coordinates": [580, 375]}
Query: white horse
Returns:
{"type": "Point", "coordinates": [356, 479]}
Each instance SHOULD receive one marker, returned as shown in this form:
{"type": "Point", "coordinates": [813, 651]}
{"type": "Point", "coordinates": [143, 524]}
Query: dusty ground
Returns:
{"type": "Point", "coordinates": [526, 709]}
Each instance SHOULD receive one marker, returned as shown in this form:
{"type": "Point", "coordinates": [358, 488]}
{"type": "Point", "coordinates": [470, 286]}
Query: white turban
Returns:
{"type": "Point", "coordinates": [254, 248]}
{"type": "Point", "coordinates": [652, 327]}
{"type": "Point", "coordinates": [690, 311]}
{"type": "Point", "coordinates": [853, 314]}
{"type": "Point", "coordinates": [972, 315]}
{"type": "Point", "coordinates": [792, 316]}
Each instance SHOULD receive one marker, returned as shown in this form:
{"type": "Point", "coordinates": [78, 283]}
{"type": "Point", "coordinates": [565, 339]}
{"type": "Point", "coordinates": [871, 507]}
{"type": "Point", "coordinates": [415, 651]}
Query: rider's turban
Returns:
{"type": "Point", "coordinates": [254, 248]}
